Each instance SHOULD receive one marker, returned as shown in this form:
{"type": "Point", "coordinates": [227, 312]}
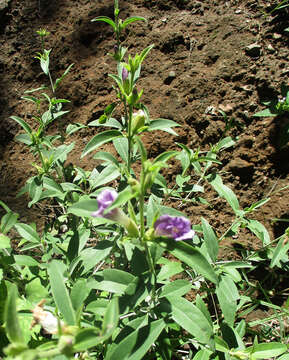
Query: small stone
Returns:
{"type": "Point", "coordinates": [270, 48]}
{"type": "Point", "coordinates": [4, 4]}
{"type": "Point", "coordinates": [247, 88]}
{"type": "Point", "coordinates": [276, 36]}
{"type": "Point", "coordinates": [164, 20]}
{"type": "Point", "coordinates": [285, 71]}
{"type": "Point", "coordinates": [238, 11]}
{"type": "Point", "coordinates": [170, 77]}
{"type": "Point", "coordinates": [226, 108]}
{"type": "Point", "coordinates": [253, 50]}
{"type": "Point", "coordinates": [210, 110]}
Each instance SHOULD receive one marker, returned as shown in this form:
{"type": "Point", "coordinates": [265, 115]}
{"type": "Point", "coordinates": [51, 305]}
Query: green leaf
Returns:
{"type": "Point", "coordinates": [44, 61]}
{"type": "Point", "coordinates": [142, 149]}
{"type": "Point", "coordinates": [131, 20]}
{"type": "Point", "coordinates": [145, 52]}
{"type": "Point", "coordinates": [259, 230]}
{"type": "Point", "coordinates": [35, 190]}
{"type": "Point", "coordinates": [60, 293]}
{"type": "Point", "coordinates": [286, 356]}
{"type": "Point", "coordinates": [24, 138]}
{"type": "Point", "coordinates": [169, 269]}
{"type": "Point", "coordinates": [8, 221]}
{"type": "Point", "coordinates": [165, 156]}
{"type": "Point", "coordinates": [4, 242]}
{"type": "Point", "coordinates": [164, 125]}
{"type": "Point", "coordinates": [115, 281]}
{"type": "Point", "coordinates": [86, 339]}
{"type": "Point", "coordinates": [108, 174]}
{"type": "Point", "coordinates": [224, 191]}
{"type": "Point", "coordinates": [22, 123]}
{"type": "Point", "coordinates": [105, 156]}
{"type": "Point", "coordinates": [91, 257]}
{"type": "Point", "coordinates": [278, 253]}
{"type": "Point", "coordinates": [79, 293]}
{"type": "Point", "coordinates": [25, 260]}
{"type": "Point", "coordinates": [110, 319]}
{"type": "Point", "coordinates": [210, 239]}
{"type": "Point", "coordinates": [118, 80]}
{"type": "Point", "coordinates": [121, 146]}
{"type": "Point", "coordinates": [98, 306]}
{"type": "Point", "coordinates": [84, 208]}
{"type": "Point", "coordinates": [12, 325]}
{"type": "Point", "coordinates": [35, 291]}
{"type": "Point", "coordinates": [202, 306]}
{"type": "Point", "coordinates": [266, 113]}
{"type": "Point", "coordinates": [175, 289]}
{"type": "Point", "coordinates": [58, 80]}
{"type": "Point", "coordinates": [137, 344]}
{"type": "Point", "coordinates": [228, 295]}
{"type": "Point", "coordinates": [72, 128]}
{"type": "Point", "coordinates": [221, 345]}
{"type": "Point", "coordinates": [225, 143]}
{"type": "Point", "coordinates": [100, 139]}
{"type": "Point", "coordinates": [190, 256]}
{"type": "Point", "coordinates": [51, 184]}
{"type": "Point", "coordinates": [190, 318]}
{"type": "Point", "coordinates": [27, 232]}
{"type": "Point", "coordinates": [267, 350]}
{"type": "Point", "coordinates": [31, 98]}
{"type": "Point", "coordinates": [202, 355]}
{"type": "Point", "coordinates": [106, 20]}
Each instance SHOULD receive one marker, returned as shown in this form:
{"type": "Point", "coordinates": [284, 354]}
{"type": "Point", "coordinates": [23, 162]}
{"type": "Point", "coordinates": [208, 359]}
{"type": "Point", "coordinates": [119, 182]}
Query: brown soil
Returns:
{"type": "Point", "coordinates": [199, 65]}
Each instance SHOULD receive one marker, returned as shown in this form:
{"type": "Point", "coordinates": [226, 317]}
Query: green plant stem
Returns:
{"type": "Point", "coordinates": [142, 235]}
{"type": "Point", "coordinates": [41, 158]}
{"type": "Point", "coordinates": [51, 83]}
{"type": "Point", "coordinates": [116, 12]}
{"type": "Point", "coordinates": [129, 138]}
{"type": "Point", "coordinates": [48, 354]}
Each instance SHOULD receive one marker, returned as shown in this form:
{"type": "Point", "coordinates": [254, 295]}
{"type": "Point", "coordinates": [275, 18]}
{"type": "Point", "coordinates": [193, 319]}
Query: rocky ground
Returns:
{"type": "Point", "coordinates": [208, 56]}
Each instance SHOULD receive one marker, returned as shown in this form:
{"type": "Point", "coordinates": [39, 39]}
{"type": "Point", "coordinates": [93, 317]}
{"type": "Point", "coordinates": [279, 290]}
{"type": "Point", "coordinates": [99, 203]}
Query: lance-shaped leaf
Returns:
{"type": "Point", "coordinates": [91, 337]}
{"type": "Point", "coordinates": [164, 125]}
{"type": "Point", "coordinates": [136, 344]}
{"type": "Point", "coordinates": [190, 318]}
{"type": "Point", "coordinates": [60, 293]}
{"type": "Point", "coordinates": [107, 20]}
{"type": "Point", "coordinates": [22, 123]}
{"type": "Point", "coordinates": [190, 256]}
{"type": "Point", "coordinates": [100, 139]}
{"type": "Point", "coordinates": [12, 325]}
{"type": "Point", "coordinates": [131, 20]}
{"type": "Point", "coordinates": [211, 240]}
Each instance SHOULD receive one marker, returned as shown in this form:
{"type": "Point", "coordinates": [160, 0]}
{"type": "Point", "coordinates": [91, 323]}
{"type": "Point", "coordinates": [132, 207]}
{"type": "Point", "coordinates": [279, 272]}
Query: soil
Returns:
{"type": "Point", "coordinates": [200, 64]}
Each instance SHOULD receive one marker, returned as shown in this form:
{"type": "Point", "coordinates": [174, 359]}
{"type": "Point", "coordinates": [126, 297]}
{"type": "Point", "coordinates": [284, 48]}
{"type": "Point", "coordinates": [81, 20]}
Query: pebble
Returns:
{"type": "Point", "coordinates": [270, 48]}
{"type": "Point", "coordinates": [171, 76]}
{"type": "Point", "coordinates": [276, 36]}
{"type": "Point", "coordinates": [253, 50]}
{"type": "Point", "coordinates": [238, 11]}
{"type": "Point", "coordinates": [210, 110]}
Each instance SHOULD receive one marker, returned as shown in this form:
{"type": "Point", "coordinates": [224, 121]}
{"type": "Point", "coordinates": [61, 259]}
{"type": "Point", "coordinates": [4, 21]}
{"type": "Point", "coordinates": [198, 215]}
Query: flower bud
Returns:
{"type": "Point", "coordinates": [138, 121]}
{"type": "Point", "coordinates": [104, 200]}
{"type": "Point", "coordinates": [124, 74]}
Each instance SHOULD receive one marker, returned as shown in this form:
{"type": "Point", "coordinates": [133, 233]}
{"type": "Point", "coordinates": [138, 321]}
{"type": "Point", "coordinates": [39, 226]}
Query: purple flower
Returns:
{"type": "Point", "coordinates": [124, 74]}
{"type": "Point", "coordinates": [104, 200]}
{"type": "Point", "coordinates": [176, 227]}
